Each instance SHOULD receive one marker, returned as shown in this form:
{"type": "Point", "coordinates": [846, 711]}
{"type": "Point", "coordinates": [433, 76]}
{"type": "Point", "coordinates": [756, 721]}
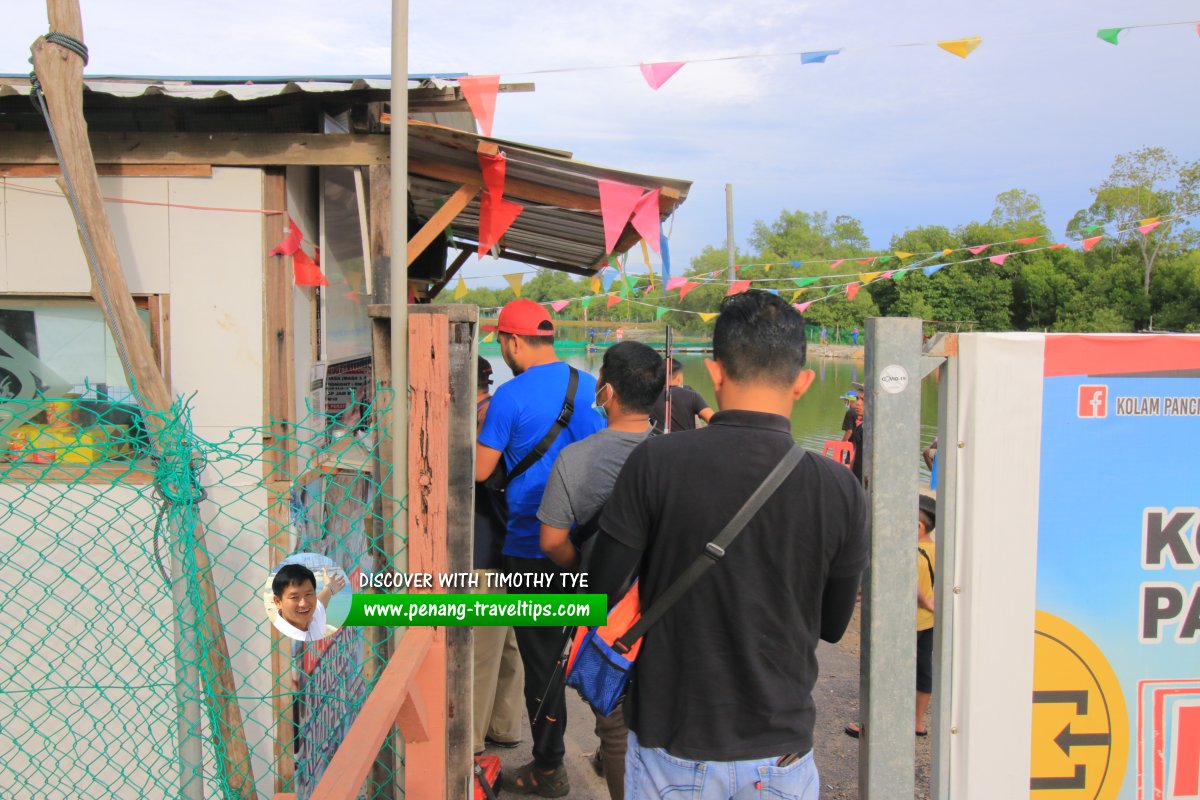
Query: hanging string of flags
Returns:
{"type": "Point", "coordinates": [849, 289]}
{"type": "Point", "coordinates": [480, 90]}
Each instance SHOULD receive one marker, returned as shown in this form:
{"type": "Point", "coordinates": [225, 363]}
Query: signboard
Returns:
{"type": "Point", "coordinates": [1116, 673]}
{"type": "Point", "coordinates": [334, 385]}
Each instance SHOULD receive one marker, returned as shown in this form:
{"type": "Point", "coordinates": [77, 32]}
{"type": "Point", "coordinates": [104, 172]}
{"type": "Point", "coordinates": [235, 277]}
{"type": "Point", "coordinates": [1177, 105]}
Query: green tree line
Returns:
{"type": "Point", "coordinates": [1127, 281]}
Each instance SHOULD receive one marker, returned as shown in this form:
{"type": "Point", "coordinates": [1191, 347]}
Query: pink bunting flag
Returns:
{"type": "Point", "coordinates": [737, 287]}
{"type": "Point", "coordinates": [1088, 244]}
{"type": "Point", "coordinates": [613, 300]}
{"type": "Point", "coordinates": [496, 216]}
{"type": "Point", "coordinates": [645, 220]}
{"type": "Point", "coordinates": [493, 169]}
{"type": "Point", "coordinates": [1028, 240]}
{"type": "Point", "coordinates": [687, 287]}
{"type": "Point", "coordinates": [1144, 230]}
{"type": "Point", "coordinates": [837, 263]}
{"type": "Point", "coordinates": [852, 290]}
{"type": "Point", "coordinates": [886, 275]}
{"type": "Point", "coordinates": [617, 203]}
{"type": "Point", "coordinates": [306, 271]}
{"type": "Point", "coordinates": [675, 283]}
{"type": "Point", "coordinates": [1000, 259]}
{"type": "Point", "coordinates": [802, 307]}
{"type": "Point", "coordinates": [559, 305]}
{"type": "Point", "coordinates": [480, 93]}
{"type": "Point", "coordinates": [291, 242]}
{"type": "Point", "coordinates": [659, 73]}
{"type": "Point", "coordinates": [977, 250]}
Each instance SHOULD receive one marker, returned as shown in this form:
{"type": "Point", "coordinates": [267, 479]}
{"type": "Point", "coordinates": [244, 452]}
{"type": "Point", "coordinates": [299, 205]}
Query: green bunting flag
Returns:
{"type": "Point", "coordinates": [1109, 34]}
{"type": "Point", "coordinates": [802, 282]}
{"type": "Point", "coordinates": [585, 301]}
{"type": "Point", "coordinates": [660, 312]}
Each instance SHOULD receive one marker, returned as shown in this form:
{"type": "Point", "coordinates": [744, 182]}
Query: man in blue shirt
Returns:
{"type": "Point", "coordinates": [521, 413]}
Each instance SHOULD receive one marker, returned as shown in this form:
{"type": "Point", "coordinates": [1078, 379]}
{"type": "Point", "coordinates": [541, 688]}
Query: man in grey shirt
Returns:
{"type": "Point", "coordinates": [631, 379]}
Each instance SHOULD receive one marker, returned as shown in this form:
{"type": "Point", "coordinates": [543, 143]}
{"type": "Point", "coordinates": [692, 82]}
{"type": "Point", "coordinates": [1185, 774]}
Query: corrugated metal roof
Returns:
{"type": "Point", "coordinates": [206, 89]}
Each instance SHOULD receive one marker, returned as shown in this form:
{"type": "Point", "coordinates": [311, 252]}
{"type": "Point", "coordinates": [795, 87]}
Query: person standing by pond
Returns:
{"type": "Point", "coordinates": [856, 438]}
{"type": "Point", "coordinates": [686, 404]}
{"type": "Point", "coordinates": [854, 335]}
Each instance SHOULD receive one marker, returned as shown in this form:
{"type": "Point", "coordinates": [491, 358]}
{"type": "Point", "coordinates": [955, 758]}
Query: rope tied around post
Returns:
{"type": "Point", "coordinates": [62, 40]}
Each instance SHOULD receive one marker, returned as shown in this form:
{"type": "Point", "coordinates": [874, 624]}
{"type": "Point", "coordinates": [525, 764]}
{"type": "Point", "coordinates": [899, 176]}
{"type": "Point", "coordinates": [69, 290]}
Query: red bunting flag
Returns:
{"type": "Point", "coordinates": [617, 203]}
{"type": "Point", "coordinates": [493, 169]}
{"type": "Point", "coordinates": [306, 271]}
{"type": "Point", "coordinates": [480, 93]}
{"type": "Point", "coordinates": [1058, 246]}
{"type": "Point", "coordinates": [737, 287]}
{"type": "Point", "coordinates": [496, 216]}
{"type": "Point", "coordinates": [1000, 259]}
{"type": "Point", "coordinates": [866, 261]}
{"type": "Point", "coordinates": [559, 305]}
{"type": "Point", "coordinates": [1088, 244]}
{"type": "Point", "coordinates": [1028, 240]}
{"type": "Point", "coordinates": [852, 290]}
{"type": "Point", "coordinates": [1144, 230]}
{"type": "Point", "coordinates": [613, 300]}
{"type": "Point", "coordinates": [659, 73]}
{"type": "Point", "coordinates": [838, 263]}
{"type": "Point", "coordinates": [645, 220]}
{"type": "Point", "coordinates": [687, 287]}
{"type": "Point", "coordinates": [977, 250]}
{"type": "Point", "coordinates": [291, 242]}
{"type": "Point", "coordinates": [802, 307]}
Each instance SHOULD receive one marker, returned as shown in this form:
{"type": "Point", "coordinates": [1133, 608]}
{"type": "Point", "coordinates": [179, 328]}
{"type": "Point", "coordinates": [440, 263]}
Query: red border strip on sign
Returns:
{"type": "Point", "coordinates": [1120, 355]}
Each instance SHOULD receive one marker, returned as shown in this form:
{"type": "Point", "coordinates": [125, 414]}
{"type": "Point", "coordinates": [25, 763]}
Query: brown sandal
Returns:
{"type": "Point", "coordinates": [528, 779]}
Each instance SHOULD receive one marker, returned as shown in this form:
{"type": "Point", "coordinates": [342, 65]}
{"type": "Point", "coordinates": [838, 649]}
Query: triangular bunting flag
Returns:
{"type": "Point", "coordinates": [884, 259]}
{"type": "Point", "coordinates": [687, 287]}
{"type": "Point", "coordinates": [514, 280]}
{"type": "Point", "coordinates": [675, 283]}
{"type": "Point", "coordinates": [1028, 240]}
{"type": "Point", "coordinates": [1058, 246]}
{"type": "Point", "coordinates": [900, 254]}
{"type": "Point", "coordinates": [867, 277]}
{"type": "Point", "coordinates": [665, 254]}
{"type": "Point", "coordinates": [886, 275]}
{"type": "Point", "coordinates": [774, 292]}
{"type": "Point", "coordinates": [496, 216]}
{"type": "Point", "coordinates": [797, 293]}
{"type": "Point", "coordinates": [491, 337]}
{"type": "Point", "coordinates": [960, 47]}
{"type": "Point", "coordinates": [1148, 220]}
{"type": "Point", "coordinates": [613, 300]}
{"type": "Point", "coordinates": [947, 251]}
{"type": "Point", "coordinates": [659, 312]}
{"type": "Point", "coordinates": [306, 271]}
{"type": "Point", "coordinates": [932, 268]}
{"type": "Point", "coordinates": [291, 241]}
{"type": "Point", "coordinates": [1090, 228]}
{"type": "Point", "coordinates": [460, 289]}
{"type": "Point", "coordinates": [900, 273]}
{"type": "Point", "coordinates": [805, 281]}
{"type": "Point", "coordinates": [865, 261]}
{"type": "Point", "coordinates": [708, 317]}
{"type": "Point", "coordinates": [1144, 230]}
{"type": "Point", "coordinates": [607, 276]}
{"type": "Point", "coordinates": [559, 305]}
{"type": "Point", "coordinates": [493, 169]}
{"type": "Point", "coordinates": [658, 73]}
{"type": "Point", "coordinates": [737, 287]}
{"type": "Point", "coordinates": [645, 253]}
{"type": "Point", "coordinates": [480, 93]}
{"type": "Point", "coordinates": [852, 290]}
{"type": "Point", "coordinates": [617, 203]}
{"type": "Point", "coordinates": [1109, 34]}
{"type": "Point", "coordinates": [795, 263]}
{"type": "Point", "coordinates": [594, 284]}
{"type": "Point", "coordinates": [631, 281]}
{"type": "Point", "coordinates": [767, 268]}
{"type": "Point", "coordinates": [1000, 259]}
{"type": "Point", "coordinates": [584, 302]}
{"type": "Point", "coordinates": [817, 56]}
{"type": "Point", "coordinates": [802, 307]}
{"type": "Point", "coordinates": [837, 263]}
{"type": "Point", "coordinates": [1088, 244]}
{"type": "Point", "coordinates": [977, 250]}
{"type": "Point", "coordinates": [645, 220]}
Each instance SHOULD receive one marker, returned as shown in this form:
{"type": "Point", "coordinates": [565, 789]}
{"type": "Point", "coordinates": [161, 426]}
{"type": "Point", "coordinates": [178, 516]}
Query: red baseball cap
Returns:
{"type": "Point", "coordinates": [523, 318]}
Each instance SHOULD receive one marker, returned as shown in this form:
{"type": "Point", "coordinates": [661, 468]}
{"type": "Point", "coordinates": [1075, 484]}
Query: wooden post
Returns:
{"type": "Point", "coordinates": [60, 72]}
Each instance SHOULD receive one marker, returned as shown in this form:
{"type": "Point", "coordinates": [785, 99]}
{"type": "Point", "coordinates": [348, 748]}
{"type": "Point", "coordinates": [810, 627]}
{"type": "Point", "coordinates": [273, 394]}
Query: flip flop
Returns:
{"type": "Point", "coordinates": [853, 730]}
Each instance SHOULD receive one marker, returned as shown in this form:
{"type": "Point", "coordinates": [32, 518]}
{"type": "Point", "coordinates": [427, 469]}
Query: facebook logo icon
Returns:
{"type": "Point", "coordinates": [1093, 401]}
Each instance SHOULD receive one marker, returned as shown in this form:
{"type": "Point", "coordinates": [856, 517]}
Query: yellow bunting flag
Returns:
{"type": "Point", "coordinates": [491, 337]}
{"type": "Point", "coordinates": [900, 254]}
{"type": "Point", "coordinates": [960, 47]}
{"type": "Point", "coordinates": [708, 317]}
{"type": "Point", "coordinates": [645, 254]}
{"type": "Point", "coordinates": [767, 268]}
{"type": "Point", "coordinates": [946, 251]}
{"type": "Point", "coordinates": [595, 284]}
{"type": "Point", "coordinates": [797, 293]}
{"type": "Point", "coordinates": [1149, 220]}
{"type": "Point", "coordinates": [460, 289]}
{"type": "Point", "coordinates": [514, 280]}
{"type": "Point", "coordinates": [867, 277]}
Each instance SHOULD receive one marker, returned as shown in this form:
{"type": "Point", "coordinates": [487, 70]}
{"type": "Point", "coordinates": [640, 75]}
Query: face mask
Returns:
{"type": "Point", "coordinates": [598, 407]}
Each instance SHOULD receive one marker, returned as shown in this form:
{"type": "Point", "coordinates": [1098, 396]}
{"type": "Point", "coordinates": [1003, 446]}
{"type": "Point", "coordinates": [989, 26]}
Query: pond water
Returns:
{"type": "Point", "coordinates": [816, 418]}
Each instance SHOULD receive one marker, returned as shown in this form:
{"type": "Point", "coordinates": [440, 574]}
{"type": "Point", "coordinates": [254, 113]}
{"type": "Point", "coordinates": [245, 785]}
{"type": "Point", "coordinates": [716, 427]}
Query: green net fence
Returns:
{"type": "Point", "coordinates": [138, 653]}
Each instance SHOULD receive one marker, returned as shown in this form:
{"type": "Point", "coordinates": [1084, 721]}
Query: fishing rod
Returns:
{"type": "Point", "coordinates": [667, 356]}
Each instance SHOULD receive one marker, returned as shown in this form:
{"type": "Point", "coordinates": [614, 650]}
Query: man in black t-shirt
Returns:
{"type": "Point", "coordinates": [686, 404]}
{"type": "Point", "coordinates": [724, 680]}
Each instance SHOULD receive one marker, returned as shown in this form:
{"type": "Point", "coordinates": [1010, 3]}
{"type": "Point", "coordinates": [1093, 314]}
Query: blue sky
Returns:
{"type": "Point", "coordinates": [895, 136]}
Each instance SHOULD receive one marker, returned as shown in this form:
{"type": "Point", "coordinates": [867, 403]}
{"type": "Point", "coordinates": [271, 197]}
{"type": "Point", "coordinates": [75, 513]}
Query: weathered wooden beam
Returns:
{"type": "Point", "coordinates": [216, 149]}
{"type": "Point", "coordinates": [451, 271]}
{"type": "Point", "coordinates": [111, 170]}
{"type": "Point", "coordinates": [441, 220]}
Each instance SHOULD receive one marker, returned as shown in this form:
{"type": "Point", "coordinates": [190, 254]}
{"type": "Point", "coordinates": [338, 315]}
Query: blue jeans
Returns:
{"type": "Point", "coordinates": [652, 773]}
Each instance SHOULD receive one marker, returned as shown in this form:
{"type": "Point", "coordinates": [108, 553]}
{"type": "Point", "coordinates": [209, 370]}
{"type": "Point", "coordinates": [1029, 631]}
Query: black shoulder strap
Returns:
{"type": "Point", "coordinates": [928, 564]}
{"type": "Point", "coordinates": [564, 419]}
{"type": "Point", "coordinates": [714, 551]}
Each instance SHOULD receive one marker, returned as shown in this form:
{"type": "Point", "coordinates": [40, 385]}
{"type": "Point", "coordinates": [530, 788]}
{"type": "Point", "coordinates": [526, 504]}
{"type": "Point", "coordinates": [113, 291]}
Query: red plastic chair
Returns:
{"type": "Point", "coordinates": [839, 451]}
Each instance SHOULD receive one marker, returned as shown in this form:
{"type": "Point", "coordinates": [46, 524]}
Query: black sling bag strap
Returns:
{"type": "Point", "coordinates": [928, 565]}
{"type": "Point", "coordinates": [714, 551]}
{"type": "Point", "coordinates": [564, 419]}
